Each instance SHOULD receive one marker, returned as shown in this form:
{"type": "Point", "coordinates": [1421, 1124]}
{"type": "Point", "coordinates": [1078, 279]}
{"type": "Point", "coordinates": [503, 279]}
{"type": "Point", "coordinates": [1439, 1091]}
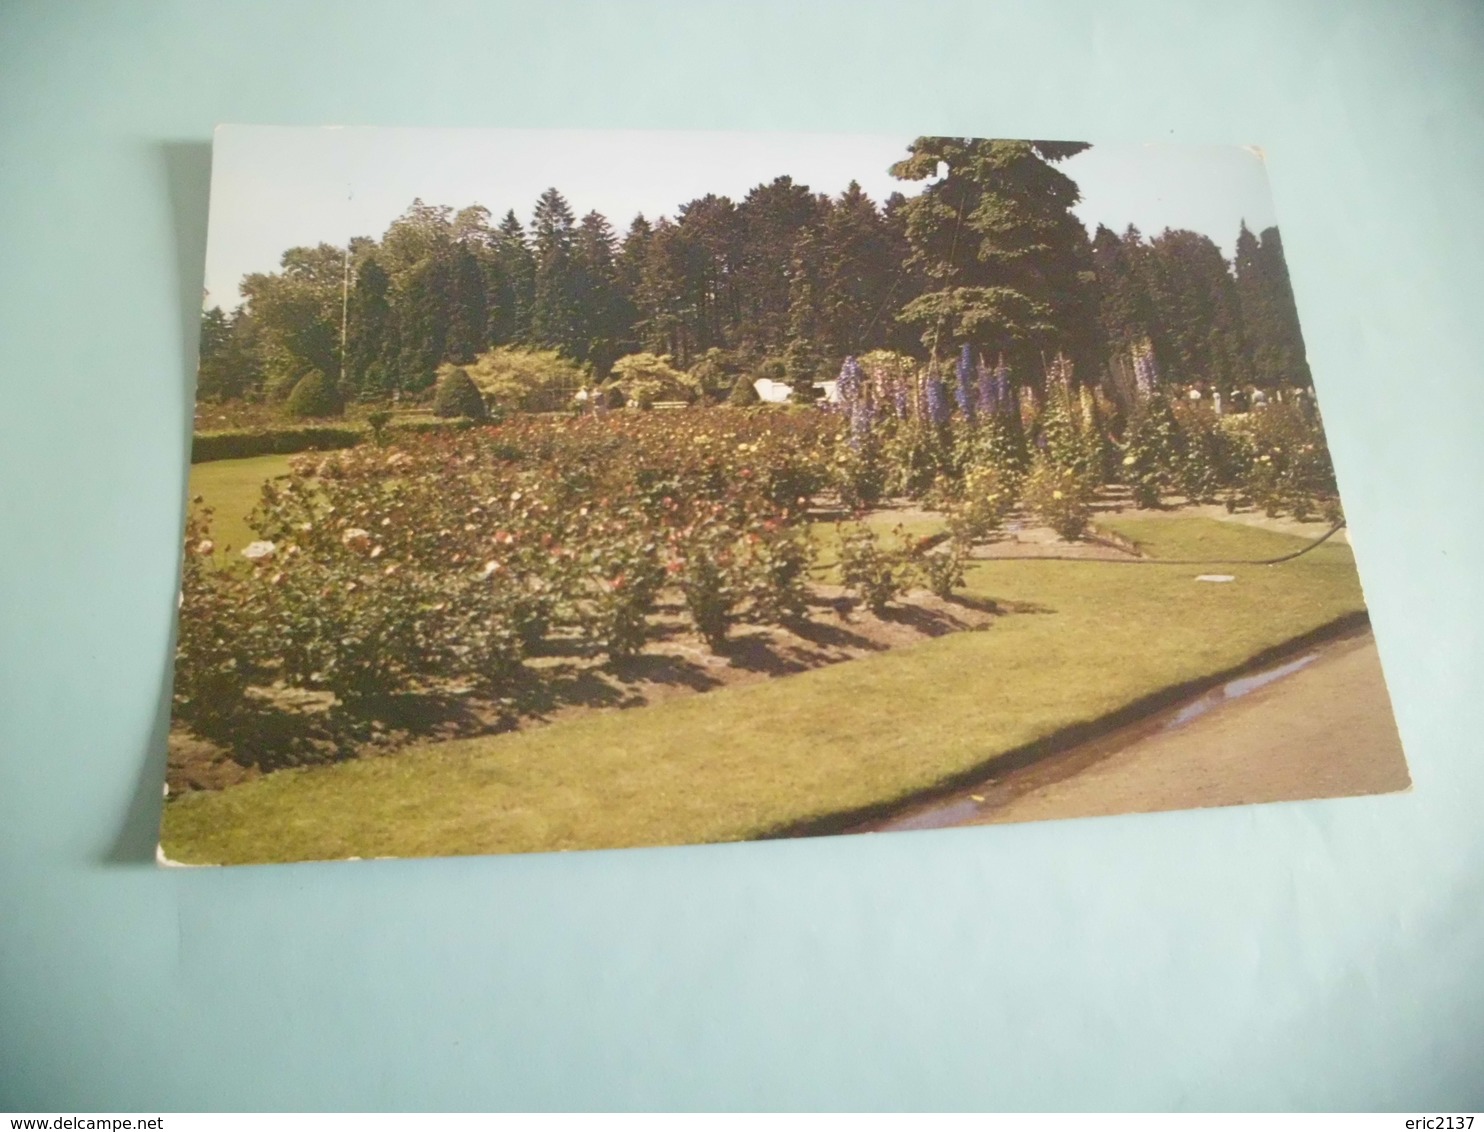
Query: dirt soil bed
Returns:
{"type": "Point", "coordinates": [677, 663]}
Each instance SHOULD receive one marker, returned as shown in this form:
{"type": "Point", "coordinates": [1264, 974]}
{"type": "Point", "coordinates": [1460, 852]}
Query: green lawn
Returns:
{"type": "Point", "coordinates": [738, 763]}
{"type": "Point", "coordinates": [231, 488]}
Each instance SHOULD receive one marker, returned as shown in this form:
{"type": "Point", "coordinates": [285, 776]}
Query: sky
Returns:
{"type": "Point", "coordinates": [276, 187]}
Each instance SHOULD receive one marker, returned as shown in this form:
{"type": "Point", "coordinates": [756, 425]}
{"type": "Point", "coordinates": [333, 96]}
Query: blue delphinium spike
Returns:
{"type": "Point", "coordinates": [1146, 373]}
{"type": "Point", "coordinates": [851, 389]}
{"type": "Point", "coordinates": [937, 403]}
{"type": "Point", "coordinates": [963, 388]}
{"type": "Point", "coordinates": [851, 384]}
{"type": "Point", "coordinates": [860, 424]}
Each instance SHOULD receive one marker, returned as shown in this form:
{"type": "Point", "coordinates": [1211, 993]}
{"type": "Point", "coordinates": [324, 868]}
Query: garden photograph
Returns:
{"type": "Point", "coordinates": [559, 490]}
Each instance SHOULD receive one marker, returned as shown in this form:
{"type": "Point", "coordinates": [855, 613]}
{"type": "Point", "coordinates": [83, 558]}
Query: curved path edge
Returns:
{"type": "Point", "coordinates": [1065, 739]}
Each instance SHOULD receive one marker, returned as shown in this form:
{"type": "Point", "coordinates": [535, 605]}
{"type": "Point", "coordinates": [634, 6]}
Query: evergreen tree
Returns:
{"type": "Point", "coordinates": [510, 283]}
{"type": "Point", "coordinates": [457, 396]}
{"type": "Point", "coordinates": [629, 267]}
{"type": "Point", "coordinates": [744, 392]}
{"type": "Point", "coordinates": [371, 333]}
{"type": "Point", "coordinates": [806, 317]}
{"type": "Point", "coordinates": [844, 277]}
{"type": "Point", "coordinates": [663, 298]}
{"type": "Point", "coordinates": [1199, 334]}
{"type": "Point", "coordinates": [603, 314]}
{"type": "Point", "coordinates": [714, 373]}
{"type": "Point", "coordinates": [553, 310]}
{"type": "Point", "coordinates": [907, 280]}
{"type": "Point", "coordinates": [1290, 338]}
{"type": "Point", "coordinates": [468, 307]}
{"type": "Point", "coordinates": [315, 395]}
{"type": "Point", "coordinates": [215, 380]}
{"type": "Point", "coordinates": [802, 366]}
{"type": "Point", "coordinates": [770, 219]}
{"type": "Point", "coordinates": [422, 323]}
{"type": "Point", "coordinates": [237, 368]}
{"type": "Point", "coordinates": [1008, 264]}
{"type": "Point", "coordinates": [708, 229]}
{"type": "Point", "coordinates": [1268, 311]}
{"type": "Point", "coordinates": [1126, 311]}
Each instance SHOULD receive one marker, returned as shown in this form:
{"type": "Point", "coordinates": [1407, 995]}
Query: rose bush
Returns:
{"type": "Point", "coordinates": [1288, 465]}
{"type": "Point", "coordinates": [1059, 497]}
{"type": "Point", "coordinates": [439, 564]}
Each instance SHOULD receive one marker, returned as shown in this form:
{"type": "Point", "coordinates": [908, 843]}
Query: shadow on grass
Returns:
{"type": "Point", "coordinates": [940, 622]}
{"type": "Point", "coordinates": [980, 604]}
{"type": "Point", "coordinates": [928, 622]}
{"type": "Point", "coordinates": [282, 728]}
{"type": "Point", "coordinates": [997, 606]}
{"type": "Point", "coordinates": [285, 727]}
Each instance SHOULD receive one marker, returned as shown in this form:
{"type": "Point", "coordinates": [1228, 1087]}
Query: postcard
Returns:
{"type": "Point", "coordinates": [559, 490]}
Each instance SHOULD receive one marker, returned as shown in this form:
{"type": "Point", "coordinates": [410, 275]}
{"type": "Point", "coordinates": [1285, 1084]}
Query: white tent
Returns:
{"type": "Point", "coordinates": [773, 392]}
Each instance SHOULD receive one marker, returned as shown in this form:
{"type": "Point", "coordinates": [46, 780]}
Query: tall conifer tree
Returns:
{"type": "Point", "coordinates": [1277, 343]}
{"type": "Point", "coordinates": [371, 333]}
{"type": "Point", "coordinates": [771, 219]}
{"type": "Point", "coordinates": [553, 310]}
{"type": "Point", "coordinates": [468, 307]}
{"type": "Point", "coordinates": [1008, 264]}
{"type": "Point", "coordinates": [510, 283]}
{"type": "Point", "coordinates": [602, 312]}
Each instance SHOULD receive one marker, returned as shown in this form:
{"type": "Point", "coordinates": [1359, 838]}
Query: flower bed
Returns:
{"type": "Point", "coordinates": [439, 565]}
{"type": "Point", "coordinates": [443, 563]}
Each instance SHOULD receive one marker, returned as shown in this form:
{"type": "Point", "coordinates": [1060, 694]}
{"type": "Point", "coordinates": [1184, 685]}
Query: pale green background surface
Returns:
{"type": "Point", "coordinates": [1319, 955]}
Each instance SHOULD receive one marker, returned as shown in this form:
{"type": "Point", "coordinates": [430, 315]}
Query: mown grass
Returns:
{"type": "Point", "coordinates": [734, 764]}
{"type": "Point", "coordinates": [231, 488]}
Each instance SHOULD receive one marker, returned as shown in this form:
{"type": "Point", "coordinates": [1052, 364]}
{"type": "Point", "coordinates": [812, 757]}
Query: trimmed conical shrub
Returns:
{"type": "Point", "coordinates": [458, 396]}
{"type": "Point", "coordinates": [744, 392]}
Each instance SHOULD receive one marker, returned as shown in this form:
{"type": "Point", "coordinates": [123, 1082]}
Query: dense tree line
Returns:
{"type": "Point", "coordinates": [786, 281]}
{"type": "Point", "coordinates": [1227, 324]}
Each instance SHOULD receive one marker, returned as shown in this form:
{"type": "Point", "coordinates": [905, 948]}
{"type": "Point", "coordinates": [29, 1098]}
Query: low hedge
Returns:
{"type": "Point", "coordinates": [240, 443]}
{"type": "Point", "coordinates": [419, 425]}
